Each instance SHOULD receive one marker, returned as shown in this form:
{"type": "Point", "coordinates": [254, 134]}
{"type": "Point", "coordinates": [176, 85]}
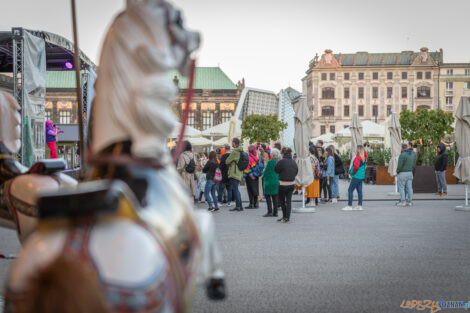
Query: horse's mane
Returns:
{"type": "Point", "coordinates": [10, 122]}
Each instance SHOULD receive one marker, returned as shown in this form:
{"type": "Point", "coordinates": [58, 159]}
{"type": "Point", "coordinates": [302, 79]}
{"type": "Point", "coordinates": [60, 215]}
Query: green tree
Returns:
{"type": "Point", "coordinates": [262, 128]}
{"type": "Point", "coordinates": [426, 126]}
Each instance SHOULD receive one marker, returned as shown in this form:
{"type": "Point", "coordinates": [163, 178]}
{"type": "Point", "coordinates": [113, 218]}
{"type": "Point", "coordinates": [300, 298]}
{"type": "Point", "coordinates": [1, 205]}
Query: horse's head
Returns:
{"type": "Point", "coordinates": [133, 90]}
{"type": "Point", "coordinates": [10, 122]}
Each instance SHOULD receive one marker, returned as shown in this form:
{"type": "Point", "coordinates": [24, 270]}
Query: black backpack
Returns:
{"type": "Point", "coordinates": [339, 168]}
{"type": "Point", "coordinates": [243, 161]}
{"type": "Point", "coordinates": [191, 167]}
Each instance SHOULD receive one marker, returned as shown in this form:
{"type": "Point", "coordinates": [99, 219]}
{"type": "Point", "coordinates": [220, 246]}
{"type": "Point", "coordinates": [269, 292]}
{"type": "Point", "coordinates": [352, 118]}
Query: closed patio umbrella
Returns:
{"type": "Point", "coordinates": [303, 122]}
{"type": "Point", "coordinates": [394, 129]}
{"type": "Point", "coordinates": [462, 139]}
{"type": "Point", "coordinates": [356, 135]}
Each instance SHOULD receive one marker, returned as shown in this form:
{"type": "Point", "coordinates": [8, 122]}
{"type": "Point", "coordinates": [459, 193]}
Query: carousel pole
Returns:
{"type": "Point", "coordinates": [76, 57]}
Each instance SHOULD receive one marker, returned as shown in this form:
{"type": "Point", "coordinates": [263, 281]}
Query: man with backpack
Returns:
{"type": "Point", "coordinates": [236, 162]}
{"type": "Point", "coordinates": [186, 167]}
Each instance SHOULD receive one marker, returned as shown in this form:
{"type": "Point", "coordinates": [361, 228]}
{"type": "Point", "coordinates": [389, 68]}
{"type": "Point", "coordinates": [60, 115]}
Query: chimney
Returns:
{"type": "Point", "coordinates": [340, 57]}
{"type": "Point", "coordinates": [396, 60]}
{"type": "Point", "coordinates": [382, 60]}
{"type": "Point", "coordinates": [368, 60]}
{"type": "Point", "coordinates": [354, 60]}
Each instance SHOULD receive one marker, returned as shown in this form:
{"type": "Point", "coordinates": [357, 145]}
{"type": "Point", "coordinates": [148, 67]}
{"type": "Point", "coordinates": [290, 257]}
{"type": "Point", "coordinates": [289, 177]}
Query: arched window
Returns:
{"type": "Point", "coordinates": [328, 93]}
{"type": "Point", "coordinates": [424, 92]}
{"type": "Point", "coordinates": [328, 111]}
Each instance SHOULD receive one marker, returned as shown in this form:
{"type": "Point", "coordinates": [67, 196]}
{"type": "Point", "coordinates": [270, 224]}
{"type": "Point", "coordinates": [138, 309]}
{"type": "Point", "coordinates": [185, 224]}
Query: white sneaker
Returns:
{"type": "Point", "coordinates": [358, 208]}
{"type": "Point", "coordinates": [409, 204]}
{"type": "Point", "coordinates": [228, 204]}
{"type": "Point", "coordinates": [334, 200]}
{"type": "Point", "coordinates": [310, 204]}
{"type": "Point", "coordinates": [401, 204]}
{"type": "Point", "coordinates": [347, 208]}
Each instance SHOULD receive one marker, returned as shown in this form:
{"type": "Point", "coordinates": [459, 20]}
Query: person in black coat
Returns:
{"type": "Point", "coordinates": [225, 183]}
{"type": "Point", "coordinates": [287, 170]}
{"type": "Point", "coordinates": [440, 167]}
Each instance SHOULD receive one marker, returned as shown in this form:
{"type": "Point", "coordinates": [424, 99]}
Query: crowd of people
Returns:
{"type": "Point", "coordinates": [269, 173]}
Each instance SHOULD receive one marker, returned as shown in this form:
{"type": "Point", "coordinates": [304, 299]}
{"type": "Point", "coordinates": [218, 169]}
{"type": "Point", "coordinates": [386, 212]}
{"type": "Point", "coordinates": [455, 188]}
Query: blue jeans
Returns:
{"type": "Point", "coordinates": [211, 187]}
{"type": "Point", "coordinates": [405, 186]}
{"type": "Point", "coordinates": [221, 192]}
{"type": "Point", "coordinates": [234, 189]}
{"type": "Point", "coordinates": [335, 186]}
{"type": "Point", "coordinates": [355, 184]}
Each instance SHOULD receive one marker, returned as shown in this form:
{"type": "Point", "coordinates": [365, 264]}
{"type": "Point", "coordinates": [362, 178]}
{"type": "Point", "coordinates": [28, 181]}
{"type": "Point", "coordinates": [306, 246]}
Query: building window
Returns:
{"type": "Point", "coordinates": [375, 110]}
{"type": "Point", "coordinates": [346, 93]}
{"type": "Point", "coordinates": [419, 75]}
{"type": "Point", "coordinates": [322, 129]}
{"type": "Point", "coordinates": [328, 93]}
{"type": "Point", "coordinates": [226, 116]}
{"type": "Point", "coordinates": [207, 120]}
{"type": "Point", "coordinates": [48, 114]}
{"type": "Point", "coordinates": [328, 111]}
{"type": "Point", "coordinates": [467, 71]}
{"type": "Point", "coordinates": [424, 92]}
{"type": "Point", "coordinates": [361, 110]}
{"type": "Point", "coordinates": [449, 100]}
{"type": "Point", "coordinates": [449, 85]}
{"type": "Point", "coordinates": [389, 110]}
{"type": "Point", "coordinates": [332, 129]}
{"type": "Point", "coordinates": [361, 92]}
{"type": "Point", "coordinates": [428, 75]}
{"type": "Point", "coordinates": [404, 107]}
{"type": "Point", "coordinates": [467, 85]}
{"type": "Point", "coordinates": [375, 92]}
{"type": "Point", "coordinates": [375, 75]}
{"type": "Point", "coordinates": [192, 119]}
{"type": "Point", "coordinates": [346, 76]}
{"type": "Point", "coordinates": [389, 92]}
{"type": "Point", "coordinates": [361, 76]}
{"type": "Point", "coordinates": [323, 76]}
{"type": "Point", "coordinates": [404, 92]}
{"type": "Point", "coordinates": [389, 75]}
{"type": "Point", "coordinates": [332, 76]}
{"type": "Point", "coordinates": [450, 72]}
{"type": "Point", "coordinates": [64, 117]}
{"type": "Point", "coordinates": [404, 75]}
{"type": "Point", "coordinates": [346, 110]}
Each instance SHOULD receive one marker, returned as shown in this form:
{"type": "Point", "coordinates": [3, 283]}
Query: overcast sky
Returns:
{"type": "Point", "coordinates": [270, 43]}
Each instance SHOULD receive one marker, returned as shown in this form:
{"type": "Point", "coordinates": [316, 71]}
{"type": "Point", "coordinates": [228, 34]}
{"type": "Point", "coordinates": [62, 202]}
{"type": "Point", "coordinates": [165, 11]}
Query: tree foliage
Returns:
{"type": "Point", "coordinates": [425, 126]}
{"type": "Point", "coordinates": [262, 128]}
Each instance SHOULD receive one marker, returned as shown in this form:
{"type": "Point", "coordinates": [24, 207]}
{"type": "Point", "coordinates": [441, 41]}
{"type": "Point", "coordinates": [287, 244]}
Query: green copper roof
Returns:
{"type": "Point", "coordinates": [205, 78]}
{"type": "Point", "coordinates": [60, 79]}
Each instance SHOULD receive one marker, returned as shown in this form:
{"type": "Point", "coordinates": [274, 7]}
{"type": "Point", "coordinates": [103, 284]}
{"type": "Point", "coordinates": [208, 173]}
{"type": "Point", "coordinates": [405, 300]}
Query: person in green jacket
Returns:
{"type": "Point", "coordinates": [405, 168]}
{"type": "Point", "coordinates": [271, 183]}
{"type": "Point", "coordinates": [234, 174]}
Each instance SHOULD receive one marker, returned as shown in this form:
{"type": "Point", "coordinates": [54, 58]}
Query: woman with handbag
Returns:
{"type": "Point", "coordinates": [357, 173]}
{"type": "Point", "coordinates": [251, 175]}
{"type": "Point", "coordinates": [213, 176]}
{"type": "Point", "coordinates": [312, 192]}
{"type": "Point", "coordinates": [271, 183]}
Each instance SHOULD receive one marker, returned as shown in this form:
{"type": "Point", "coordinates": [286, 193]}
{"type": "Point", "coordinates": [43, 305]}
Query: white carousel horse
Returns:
{"type": "Point", "coordinates": [130, 121]}
{"type": "Point", "coordinates": [19, 187]}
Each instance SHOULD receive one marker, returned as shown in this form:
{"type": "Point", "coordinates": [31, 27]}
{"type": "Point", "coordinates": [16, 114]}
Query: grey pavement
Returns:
{"type": "Point", "coordinates": [335, 261]}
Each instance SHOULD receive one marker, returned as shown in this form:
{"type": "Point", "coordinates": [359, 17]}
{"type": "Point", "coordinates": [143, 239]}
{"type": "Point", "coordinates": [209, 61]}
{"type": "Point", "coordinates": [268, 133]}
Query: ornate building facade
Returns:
{"type": "Point", "coordinates": [454, 81]}
{"type": "Point", "coordinates": [372, 84]}
{"type": "Point", "coordinates": [214, 100]}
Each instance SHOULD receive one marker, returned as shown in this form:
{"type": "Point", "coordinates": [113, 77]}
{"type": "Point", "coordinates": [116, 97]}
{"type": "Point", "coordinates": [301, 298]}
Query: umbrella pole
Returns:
{"type": "Point", "coordinates": [465, 207]}
{"type": "Point", "coordinates": [303, 197]}
{"type": "Point", "coordinates": [394, 193]}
